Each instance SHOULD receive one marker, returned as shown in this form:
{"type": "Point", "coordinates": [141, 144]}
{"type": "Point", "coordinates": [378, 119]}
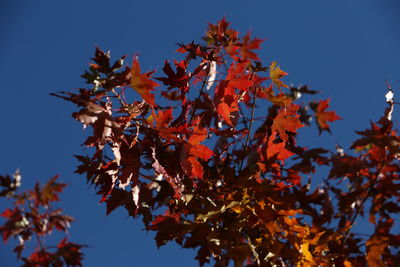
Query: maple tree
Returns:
{"type": "Point", "coordinates": [34, 218]}
{"type": "Point", "coordinates": [207, 155]}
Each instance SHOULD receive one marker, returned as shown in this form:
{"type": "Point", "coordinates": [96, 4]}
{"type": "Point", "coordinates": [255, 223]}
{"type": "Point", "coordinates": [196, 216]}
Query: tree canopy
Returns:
{"type": "Point", "coordinates": [206, 154]}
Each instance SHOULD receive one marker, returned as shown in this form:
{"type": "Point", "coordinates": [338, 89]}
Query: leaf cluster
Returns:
{"type": "Point", "coordinates": [34, 218]}
{"type": "Point", "coordinates": [207, 156]}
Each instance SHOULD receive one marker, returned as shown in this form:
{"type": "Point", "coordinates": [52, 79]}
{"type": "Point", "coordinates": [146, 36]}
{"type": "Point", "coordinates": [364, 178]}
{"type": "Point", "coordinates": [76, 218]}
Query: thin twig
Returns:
{"type": "Point", "coordinates": [118, 97]}
{"type": "Point", "coordinates": [198, 97]}
{"type": "Point", "coordinates": [370, 190]}
{"type": "Point", "coordinates": [249, 129]}
{"type": "Point", "coordinates": [42, 249]}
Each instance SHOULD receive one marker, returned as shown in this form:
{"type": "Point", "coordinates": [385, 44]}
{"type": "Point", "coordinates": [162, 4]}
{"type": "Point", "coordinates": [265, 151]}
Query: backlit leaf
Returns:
{"type": "Point", "coordinates": [323, 117]}
{"type": "Point", "coordinates": [287, 121]}
{"type": "Point", "coordinates": [142, 83]}
{"type": "Point", "coordinates": [276, 74]}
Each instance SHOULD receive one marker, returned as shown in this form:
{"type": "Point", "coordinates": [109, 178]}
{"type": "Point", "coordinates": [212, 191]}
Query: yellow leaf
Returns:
{"type": "Point", "coordinates": [276, 73]}
{"type": "Point", "coordinates": [237, 209]}
{"type": "Point", "coordinates": [306, 253]}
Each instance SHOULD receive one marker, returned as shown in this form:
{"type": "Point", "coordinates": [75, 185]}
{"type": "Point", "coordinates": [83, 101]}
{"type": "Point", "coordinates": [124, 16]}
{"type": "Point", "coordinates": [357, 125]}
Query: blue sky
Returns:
{"type": "Point", "coordinates": [345, 49]}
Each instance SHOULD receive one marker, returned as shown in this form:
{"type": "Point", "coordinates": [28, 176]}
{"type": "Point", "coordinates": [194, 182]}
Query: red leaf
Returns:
{"type": "Point", "coordinates": [323, 117]}
{"type": "Point", "coordinates": [201, 151]}
{"type": "Point", "coordinates": [48, 193]}
{"type": "Point", "coordinates": [199, 134]}
{"type": "Point", "coordinates": [70, 253]}
{"type": "Point", "coordinates": [8, 213]}
{"type": "Point", "coordinates": [168, 227]}
{"type": "Point", "coordinates": [287, 120]}
{"type": "Point", "coordinates": [180, 79]}
{"type": "Point", "coordinates": [163, 118]}
{"type": "Point", "coordinates": [238, 77]}
{"type": "Point", "coordinates": [192, 167]}
{"type": "Point", "coordinates": [118, 198]}
{"type": "Point", "coordinates": [141, 83]}
{"type": "Point", "coordinates": [278, 149]}
{"type": "Point", "coordinates": [38, 258]}
{"type": "Point", "coordinates": [225, 112]}
{"type": "Point", "coordinates": [248, 45]}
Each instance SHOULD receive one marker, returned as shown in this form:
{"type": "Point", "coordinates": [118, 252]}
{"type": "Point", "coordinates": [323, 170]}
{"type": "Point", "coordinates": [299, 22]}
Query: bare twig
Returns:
{"type": "Point", "coordinates": [253, 105]}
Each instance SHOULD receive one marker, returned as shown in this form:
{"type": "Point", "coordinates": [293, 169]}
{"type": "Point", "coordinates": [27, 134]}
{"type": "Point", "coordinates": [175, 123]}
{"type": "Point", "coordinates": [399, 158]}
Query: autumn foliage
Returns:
{"type": "Point", "coordinates": [206, 155]}
{"type": "Point", "coordinates": [33, 217]}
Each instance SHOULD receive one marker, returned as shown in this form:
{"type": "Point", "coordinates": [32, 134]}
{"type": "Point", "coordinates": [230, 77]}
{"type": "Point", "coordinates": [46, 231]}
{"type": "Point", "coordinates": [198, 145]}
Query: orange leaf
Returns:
{"type": "Point", "coordinates": [375, 248]}
{"type": "Point", "coordinates": [280, 99]}
{"type": "Point", "coordinates": [304, 249]}
{"type": "Point", "coordinates": [163, 118]}
{"type": "Point", "coordinates": [277, 149]}
{"type": "Point", "coordinates": [199, 134]}
{"type": "Point", "coordinates": [225, 111]}
{"type": "Point", "coordinates": [141, 83]}
{"type": "Point", "coordinates": [276, 73]}
{"type": "Point", "coordinates": [287, 121]}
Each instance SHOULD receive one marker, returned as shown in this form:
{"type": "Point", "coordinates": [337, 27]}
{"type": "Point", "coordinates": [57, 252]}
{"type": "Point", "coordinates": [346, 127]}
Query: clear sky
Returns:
{"type": "Point", "coordinates": [345, 49]}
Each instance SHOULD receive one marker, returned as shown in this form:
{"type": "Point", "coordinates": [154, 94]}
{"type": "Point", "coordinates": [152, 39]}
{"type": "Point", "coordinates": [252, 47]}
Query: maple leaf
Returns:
{"type": "Point", "coordinates": [277, 149]}
{"type": "Point", "coordinates": [258, 215]}
{"type": "Point", "coordinates": [192, 167]}
{"type": "Point", "coordinates": [248, 45]}
{"type": "Point", "coordinates": [102, 61]}
{"type": "Point", "coordinates": [40, 258]}
{"type": "Point", "coordinates": [280, 100]}
{"type": "Point", "coordinates": [201, 151]}
{"type": "Point", "coordinates": [158, 168]}
{"type": "Point", "coordinates": [141, 82]}
{"type": "Point", "coordinates": [220, 33]}
{"type": "Point", "coordinates": [238, 77]}
{"type": "Point", "coordinates": [375, 248]}
{"type": "Point", "coordinates": [193, 50]}
{"type": "Point", "coordinates": [59, 221]}
{"type": "Point", "coordinates": [163, 118]}
{"type": "Point", "coordinates": [48, 193]}
{"type": "Point", "coordinates": [287, 120]}
{"type": "Point", "coordinates": [323, 117]}
{"type": "Point", "coordinates": [225, 111]}
{"type": "Point", "coordinates": [199, 134]}
{"type": "Point", "coordinates": [117, 198]}
{"type": "Point", "coordinates": [180, 79]}
{"type": "Point", "coordinates": [101, 120]}
{"type": "Point", "coordinates": [225, 97]}
{"type": "Point", "coordinates": [70, 252]}
{"type": "Point", "coordinates": [168, 227]}
{"type": "Point", "coordinates": [276, 74]}
{"type": "Point", "coordinates": [308, 259]}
